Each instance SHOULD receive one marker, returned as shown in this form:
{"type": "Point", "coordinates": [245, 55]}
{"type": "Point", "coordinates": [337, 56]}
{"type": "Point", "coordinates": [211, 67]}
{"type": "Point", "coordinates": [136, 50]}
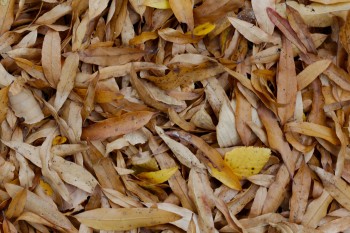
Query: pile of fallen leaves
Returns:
{"type": "Point", "coordinates": [174, 116]}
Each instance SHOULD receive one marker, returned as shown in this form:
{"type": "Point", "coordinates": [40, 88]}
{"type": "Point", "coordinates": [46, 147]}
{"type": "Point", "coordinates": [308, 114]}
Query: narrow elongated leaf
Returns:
{"type": "Point", "coordinates": [51, 57]}
{"type": "Point", "coordinates": [6, 15]}
{"type": "Point", "coordinates": [183, 11]}
{"type": "Point", "coordinates": [117, 126]}
{"type": "Point", "coordinates": [66, 81]}
{"type": "Point", "coordinates": [124, 219]}
{"type": "Point", "coordinates": [4, 103]}
{"type": "Point", "coordinates": [158, 177]}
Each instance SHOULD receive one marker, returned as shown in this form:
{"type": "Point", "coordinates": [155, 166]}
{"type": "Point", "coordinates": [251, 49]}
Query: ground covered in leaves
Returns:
{"type": "Point", "coordinates": [174, 116]}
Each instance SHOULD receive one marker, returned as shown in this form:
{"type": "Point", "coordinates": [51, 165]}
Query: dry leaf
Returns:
{"type": "Point", "coordinates": [7, 15]}
{"type": "Point", "coordinates": [123, 219]}
{"type": "Point", "coordinates": [247, 161]}
{"type": "Point", "coordinates": [117, 126]}
{"type": "Point", "coordinates": [4, 103]}
{"type": "Point", "coordinates": [183, 11]}
{"type": "Point", "coordinates": [157, 177]}
{"type": "Point", "coordinates": [51, 57]}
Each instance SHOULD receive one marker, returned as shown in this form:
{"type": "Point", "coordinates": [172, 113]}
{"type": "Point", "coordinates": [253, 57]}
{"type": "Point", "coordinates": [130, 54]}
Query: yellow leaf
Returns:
{"type": "Point", "coordinates": [159, 4]}
{"type": "Point", "coordinates": [123, 219]}
{"type": "Point", "coordinates": [247, 161]}
{"type": "Point", "coordinates": [58, 140]}
{"type": "Point", "coordinates": [46, 187]}
{"type": "Point", "coordinates": [202, 29]}
{"type": "Point", "coordinates": [158, 177]}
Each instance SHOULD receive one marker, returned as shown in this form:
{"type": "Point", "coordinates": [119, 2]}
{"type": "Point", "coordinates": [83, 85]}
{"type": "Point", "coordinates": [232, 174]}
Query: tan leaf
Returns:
{"type": "Point", "coordinates": [182, 153]}
{"type": "Point", "coordinates": [17, 204]}
{"type": "Point", "coordinates": [263, 20]}
{"type": "Point", "coordinates": [96, 7]}
{"type": "Point", "coordinates": [250, 32]}
{"type": "Point", "coordinates": [54, 14]}
{"type": "Point", "coordinates": [41, 207]}
{"type": "Point", "coordinates": [4, 103]}
{"type": "Point", "coordinates": [185, 75]}
{"type": "Point", "coordinates": [301, 189]}
{"type": "Point", "coordinates": [74, 174]}
{"type": "Point", "coordinates": [6, 15]}
{"type": "Point", "coordinates": [66, 80]}
{"type": "Point", "coordinates": [123, 219]}
{"type": "Point", "coordinates": [117, 126]}
{"type": "Point", "coordinates": [286, 82]}
{"type": "Point", "coordinates": [335, 186]}
{"type": "Point", "coordinates": [178, 37]}
{"type": "Point", "coordinates": [311, 72]}
{"type": "Point", "coordinates": [51, 57]}
{"type": "Point", "coordinates": [276, 138]}
{"type": "Point", "coordinates": [105, 56]}
{"type": "Point", "coordinates": [183, 11]}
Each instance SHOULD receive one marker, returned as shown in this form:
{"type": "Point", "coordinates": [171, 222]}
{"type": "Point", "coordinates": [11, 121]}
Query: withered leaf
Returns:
{"type": "Point", "coordinates": [185, 75]}
{"type": "Point", "coordinates": [117, 126]}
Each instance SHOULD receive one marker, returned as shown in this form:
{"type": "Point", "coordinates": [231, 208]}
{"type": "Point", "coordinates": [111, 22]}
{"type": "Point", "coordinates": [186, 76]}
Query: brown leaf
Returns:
{"type": "Point", "coordinates": [105, 56]}
{"type": "Point", "coordinates": [276, 139]}
{"type": "Point", "coordinates": [286, 29]}
{"type": "Point", "coordinates": [117, 126]}
{"type": "Point", "coordinates": [185, 75]}
{"type": "Point", "coordinates": [301, 189]}
{"type": "Point", "coordinates": [17, 204]}
{"type": "Point", "coordinates": [4, 103]}
{"type": "Point", "coordinates": [301, 29]}
{"type": "Point", "coordinates": [286, 82]}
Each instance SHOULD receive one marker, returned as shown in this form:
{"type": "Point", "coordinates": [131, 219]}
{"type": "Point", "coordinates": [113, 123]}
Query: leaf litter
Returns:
{"type": "Point", "coordinates": [174, 116]}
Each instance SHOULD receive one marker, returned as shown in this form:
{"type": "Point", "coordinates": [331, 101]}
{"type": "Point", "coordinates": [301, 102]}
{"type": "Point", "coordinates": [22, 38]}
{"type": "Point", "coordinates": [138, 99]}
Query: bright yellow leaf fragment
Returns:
{"type": "Point", "coordinates": [157, 177]}
{"type": "Point", "coordinates": [159, 4]}
{"type": "Point", "coordinates": [58, 140]}
{"type": "Point", "coordinates": [247, 161]}
{"type": "Point", "coordinates": [203, 29]}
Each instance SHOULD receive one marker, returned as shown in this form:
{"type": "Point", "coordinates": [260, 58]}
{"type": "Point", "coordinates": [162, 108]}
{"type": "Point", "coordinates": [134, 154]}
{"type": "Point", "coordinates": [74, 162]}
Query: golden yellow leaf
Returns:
{"type": "Point", "coordinates": [123, 219]}
{"type": "Point", "coordinates": [247, 161]}
{"type": "Point", "coordinates": [58, 140]}
{"type": "Point", "coordinates": [159, 4]}
{"type": "Point", "coordinates": [202, 29]}
{"type": "Point", "coordinates": [158, 177]}
{"type": "Point", "coordinates": [17, 204]}
{"type": "Point", "coordinates": [143, 37]}
{"type": "Point", "coordinates": [46, 187]}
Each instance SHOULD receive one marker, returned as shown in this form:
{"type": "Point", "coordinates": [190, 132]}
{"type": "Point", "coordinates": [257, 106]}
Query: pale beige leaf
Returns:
{"type": "Point", "coordinates": [24, 104]}
{"type": "Point", "coordinates": [66, 80]}
{"type": "Point", "coordinates": [123, 219]}
{"type": "Point", "coordinates": [316, 210]}
{"type": "Point", "coordinates": [226, 129]}
{"type": "Point", "coordinates": [263, 19]}
{"type": "Point", "coordinates": [54, 14]}
{"type": "Point", "coordinates": [74, 174]}
{"type": "Point", "coordinates": [335, 186]}
{"type": "Point", "coordinates": [51, 57]}
{"type": "Point", "coordinates": [96, 7]}
{"type": "Point", "coordinates": [6, 15]}
{"type": "Point", "coordinates": [250, 31]}
{"type": "Point", "coordinates": [182, 153]}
